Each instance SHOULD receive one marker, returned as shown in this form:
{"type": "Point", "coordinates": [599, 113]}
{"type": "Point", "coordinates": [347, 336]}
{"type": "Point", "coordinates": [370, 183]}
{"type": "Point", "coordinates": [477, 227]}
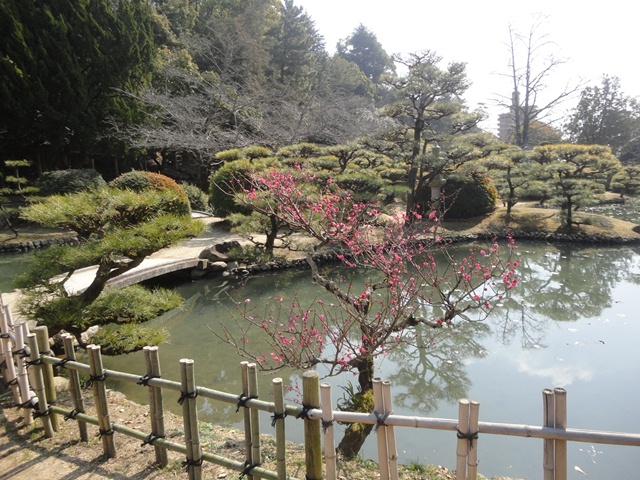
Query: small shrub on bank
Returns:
{"type": "Point", "coordinates": [69, 181]}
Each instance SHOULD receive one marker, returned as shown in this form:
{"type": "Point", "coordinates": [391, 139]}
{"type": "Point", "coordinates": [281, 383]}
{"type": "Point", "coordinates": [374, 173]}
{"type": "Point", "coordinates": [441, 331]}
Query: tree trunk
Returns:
{"type": "Point", "coordinates": [356, 433]}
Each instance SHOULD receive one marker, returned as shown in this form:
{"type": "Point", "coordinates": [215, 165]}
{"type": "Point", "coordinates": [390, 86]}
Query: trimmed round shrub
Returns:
{"type": "Point", "coordinates": [256, 151]}
{"type": "Point", "coordinates": [362, 186]}
{"type": "Point", "coordinates": [229, 155]}
{"type": "Point", "coordinates": [469, 196]}
{"type": "Point", "coordinates": [59, 182]}
{"type": "Point", "coordinates": [197, 198]}
{"type": "Point", "coordinates": [221, 191]}
{"type": "Point", "coordinates": [138, 181]}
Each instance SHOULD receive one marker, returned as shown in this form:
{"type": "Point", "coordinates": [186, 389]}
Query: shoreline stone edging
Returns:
{"type": "Point", "coordinates": [330, 257]}
{"type": "Point", "coordinates": [18, 247]}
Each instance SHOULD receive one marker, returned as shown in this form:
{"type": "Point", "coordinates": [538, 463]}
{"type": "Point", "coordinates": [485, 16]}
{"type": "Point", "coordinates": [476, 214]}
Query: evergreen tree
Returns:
{"type": "Point", "coordinates": [363, 48]}
{"type": "Point", "coordinates": [296, 47]}
{"type": "Point", "coordinates": [63, 64]}
{"type": "Point", "coordinates": [605, 116]}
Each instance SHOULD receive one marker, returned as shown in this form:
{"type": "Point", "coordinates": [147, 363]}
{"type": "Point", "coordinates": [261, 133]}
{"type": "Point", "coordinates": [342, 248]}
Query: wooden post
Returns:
{"type": "Point", "coordinates": [10, 376]}
{"type": "Point", "coordinates": [472, 457]}
{"type": "Point", "coordinates": [190, 415]}
{"type": "Point", "coordinates": [256, 450]}
{"type": "Point", "coordinates": [329, 437]}
{"type": "Point", "coordinates": [26, 394]}
{"type": "Point", "coordinates": [312, 434]}
{"type": "Point", "coordinates": [548, 461]}
{"type": "Point", "coordinates": [381, 431]}
{"type": "Point", "coordinates": [462, 448]}
{"type": "Point", "coordinates": [560, 421]}
{"type": "Point", "coordinates": [43, 406]}
{"type": "Point", "coordinates": [74, 385]}
{"type": "Point", "coordinates": [3, 357]}
{"type": "Point", "coordinates": [244, 366]}
{"type": "Point", "coordinates": [42, 334]}
{"type": "Point", "coordinates": [278, 421]}
{"type": "Point", "coordinates": [97, 379]}
{"type": "Point", "coordinates": [156, 405]}
{"type": "Point", "coordinates": [391, 433]}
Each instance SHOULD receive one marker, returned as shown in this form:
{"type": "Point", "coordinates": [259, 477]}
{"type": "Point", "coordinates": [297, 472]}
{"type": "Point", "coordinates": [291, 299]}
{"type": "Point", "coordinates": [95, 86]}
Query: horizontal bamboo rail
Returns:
{"type": "Point", "coordinates": [491, 428]}
{"type": "Point", "coordinates": [314, 413]}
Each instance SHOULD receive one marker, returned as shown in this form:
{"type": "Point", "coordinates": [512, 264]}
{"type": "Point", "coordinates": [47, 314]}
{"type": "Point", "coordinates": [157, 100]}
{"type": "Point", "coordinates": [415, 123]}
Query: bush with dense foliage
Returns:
{"type": "Point", "coordinates": [198, 199]}
{"type": "Point", "coordinates": [465, 196]}
{"type": "Point", "coordinates": [138, 181]}
{"type": "Point", "coordinates": [226, 178]}
{"type": "Point", "coordinates": [69, 181]}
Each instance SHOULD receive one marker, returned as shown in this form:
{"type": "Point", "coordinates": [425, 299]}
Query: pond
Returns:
{"type": "Point", "coordinates": [573, 323]}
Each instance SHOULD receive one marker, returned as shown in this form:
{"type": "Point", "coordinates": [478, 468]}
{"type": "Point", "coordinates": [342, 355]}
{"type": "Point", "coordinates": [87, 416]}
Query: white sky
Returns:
{"type": "Point", "coordinates": [594, 37]}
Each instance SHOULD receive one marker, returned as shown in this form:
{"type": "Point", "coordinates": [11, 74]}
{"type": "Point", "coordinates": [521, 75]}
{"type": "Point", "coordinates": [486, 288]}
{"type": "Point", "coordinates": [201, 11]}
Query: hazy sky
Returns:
{"type": "Point", "coordinates": [594, 37]}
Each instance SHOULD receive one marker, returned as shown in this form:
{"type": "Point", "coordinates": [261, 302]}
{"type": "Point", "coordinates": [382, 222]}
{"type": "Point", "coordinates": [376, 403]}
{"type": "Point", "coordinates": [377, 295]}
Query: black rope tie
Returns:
{"type": "Point", "coordinates": [12, 382]}
{"type": "Point", "coordinates": [467, 436]}
{"type": "Point", "coordinates": [38, 414]}
{"type": "Point", "coordinates": [381, 419]}
{"type": "Point", "coordinates": [27, 404]}
{"type": "Point", "coordinates": [185, 395]}
{"type": "Point", "coordinates": [247, 469]}
{"type": "Point", "coordinates": [187, 464]}
{"type": "Point", "coordinates": [22, 352]}
{"type": "Point", "coordinates": [105, 432]}
{"type": "Point", "coordinates": [304, 414]}
{"type": "Point", "coordinates": [37, 361]}
{"type": "Point", "coordinates": [150, 439]}
{"type": "Point", "coordinates": [95, 378]}
{"type": "Point", "coordinates": [326, 424]}
{"type": "Point", "coordinates": [277, 416]}
{"type": "Point", "coordinates": [5, 335]}
{"type": "Point", "coordinates": [243, 399]}
{"type": "Point", "coordinates": [72, 414]}
{"type": "Point", "coordinates": [144, 381]}
{"type": "Point", "coordinates": [63, 362]}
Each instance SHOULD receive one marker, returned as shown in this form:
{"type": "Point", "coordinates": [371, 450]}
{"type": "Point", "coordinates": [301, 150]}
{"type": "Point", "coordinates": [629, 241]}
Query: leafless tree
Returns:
{"type": "Point", "coordinates": [532, 62]}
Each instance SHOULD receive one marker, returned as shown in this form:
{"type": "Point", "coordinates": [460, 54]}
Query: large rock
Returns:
{"type": "Point", "coordinates": [212, 254]}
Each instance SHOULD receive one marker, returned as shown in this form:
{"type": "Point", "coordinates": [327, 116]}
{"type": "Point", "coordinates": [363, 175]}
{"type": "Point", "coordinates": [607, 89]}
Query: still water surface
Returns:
{"type": "Point", "coordinates": [574, 322]}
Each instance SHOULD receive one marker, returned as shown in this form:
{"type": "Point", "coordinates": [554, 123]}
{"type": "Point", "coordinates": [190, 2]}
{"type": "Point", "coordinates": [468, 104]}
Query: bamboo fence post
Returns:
{"type": "Point", "coordinates": [10, 376]}
{"type": "Point", "coordinates": [248, 459]}
{"type": "Point", "coordinates": [43, 407]}
{"type": "Point", "coordinates": [3, 357]}
{"type": "Point", "coordinates": [74, 385]}
{"type": "Point", "coordinates": [42, 334]}
{"type": "Point", "coordinates": [391, 433]}
{"type": "Point", "coordinates": [97, 379]}
{"type": "Point", "coordinates": [312, 434]}
{"type": "Point", "coordinates": [327, 427]}
{"type": "Point", "coordinates": [256, 450]}
{"type": "Point", "coordinates": [548, 461]}
{"type": "Point", "coordinates": [190, 414]}
{"type": "Point", "coordinates": [462, 448]}
{"type": "Point", "coordinates": [156, 405]}
{"type": "Point", "coordinates": [472, 457]}
{"type": "Point", "coordinates": [380, 429]}
{"type": "Point", "coordinates": [278, 422]}
{"type": "Point", "coordinates": [560, 421]}
{"type": "Point", "coordinates": [26, 394]}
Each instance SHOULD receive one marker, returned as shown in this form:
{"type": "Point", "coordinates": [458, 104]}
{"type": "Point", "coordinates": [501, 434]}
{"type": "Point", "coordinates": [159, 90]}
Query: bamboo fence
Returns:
{"type": "Point", "coordinates": [20, 349]}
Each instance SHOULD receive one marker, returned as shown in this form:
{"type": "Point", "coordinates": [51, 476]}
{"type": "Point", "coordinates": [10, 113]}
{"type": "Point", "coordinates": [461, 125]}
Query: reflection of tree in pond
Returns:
{"type": "Point", "coordinates": [569, 283]}
{"type": "Point", "coordinates": [514, 319]}
{"type": "Point", "coordinates": [434, 369]}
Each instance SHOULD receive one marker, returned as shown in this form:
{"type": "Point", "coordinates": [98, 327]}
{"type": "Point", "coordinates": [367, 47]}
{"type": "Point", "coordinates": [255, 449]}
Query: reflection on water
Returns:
{"type": "Point", "coordinates": [572, 323]}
